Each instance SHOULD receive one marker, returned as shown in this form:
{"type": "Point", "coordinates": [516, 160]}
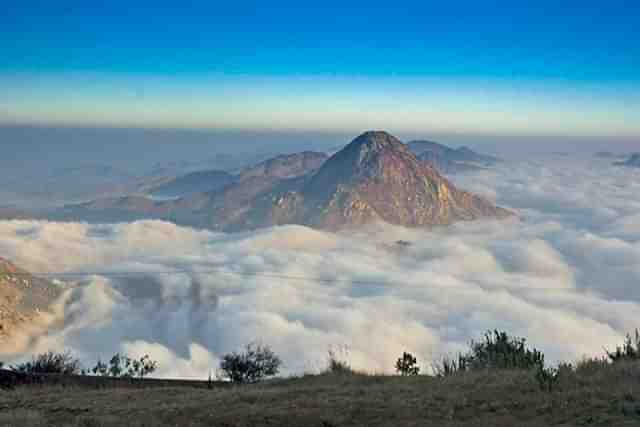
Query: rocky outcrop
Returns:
{"type": "Point", "coordinates": [23, 297]}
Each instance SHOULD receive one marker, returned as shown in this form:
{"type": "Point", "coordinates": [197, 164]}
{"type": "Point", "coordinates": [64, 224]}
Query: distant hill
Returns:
{"type": "Point", "coordinates": [78, 182]}
{"type": "Point", "coordinates": [22, 297]}
{"type": "Point", "coordinates": [450, 160]}
{"type": "Point", "coordinates": [604, 155]}
{"type": "Point", "coordinates": [285, 166]}
{"type": "Point", "coordinates": [205, 181]}
{"type": "Point", "coordinates": [228, 195]}
{"type": "Point", "coordinates": [10, 212]}
{"type": "Point", "coordinates": [195, 182]}
{"type": "Point", "coordinates": [609, 155]}
{"type": "Point", "coordinates": [633, 161]}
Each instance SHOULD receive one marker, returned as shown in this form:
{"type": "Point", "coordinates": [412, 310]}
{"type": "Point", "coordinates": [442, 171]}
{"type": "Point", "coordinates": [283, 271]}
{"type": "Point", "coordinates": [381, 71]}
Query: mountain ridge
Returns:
{"type": "Point", "coordinates": [375, 177]}
{"type": "Point", "coordinates": [451, 160]}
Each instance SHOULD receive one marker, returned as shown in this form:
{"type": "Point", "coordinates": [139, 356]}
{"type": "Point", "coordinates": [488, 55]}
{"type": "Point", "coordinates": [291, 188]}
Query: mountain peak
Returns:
{"type": "Point", "coordinates": [374, 141]}
{"type": "Point", "coordinates": [367, 148]}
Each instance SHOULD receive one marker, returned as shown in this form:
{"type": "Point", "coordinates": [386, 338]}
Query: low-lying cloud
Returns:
{"type": "Point", "coordinates": [566, 275]}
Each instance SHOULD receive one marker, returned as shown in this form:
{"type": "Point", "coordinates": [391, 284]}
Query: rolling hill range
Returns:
{"type": "Point", "coordinates": [450, 160]}
{"type": "Point", "coordinates": [194, 182]}
{"type": "Point", "coordinates": [374, 178]}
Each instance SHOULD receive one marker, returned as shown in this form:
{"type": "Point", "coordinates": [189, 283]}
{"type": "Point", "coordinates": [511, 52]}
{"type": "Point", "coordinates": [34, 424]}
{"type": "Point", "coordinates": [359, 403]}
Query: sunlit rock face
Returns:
{"type": "Point", "coordinates": [375, 178]}
{"type": "Point", "coordinates": [23, 298]}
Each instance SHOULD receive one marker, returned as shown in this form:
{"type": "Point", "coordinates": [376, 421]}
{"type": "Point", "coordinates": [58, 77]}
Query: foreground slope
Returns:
{"type": "Point", "coordinates": [604, 397]}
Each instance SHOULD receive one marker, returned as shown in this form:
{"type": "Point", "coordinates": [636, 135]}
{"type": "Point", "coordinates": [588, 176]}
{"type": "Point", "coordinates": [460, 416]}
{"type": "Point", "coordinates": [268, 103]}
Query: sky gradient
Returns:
{"type": "Point", "coordinates": [460, 68]}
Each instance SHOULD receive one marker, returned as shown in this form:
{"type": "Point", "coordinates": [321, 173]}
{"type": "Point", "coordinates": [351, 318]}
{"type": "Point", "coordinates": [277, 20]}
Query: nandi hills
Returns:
{"type": "Point", "coordinates": [285, 214]}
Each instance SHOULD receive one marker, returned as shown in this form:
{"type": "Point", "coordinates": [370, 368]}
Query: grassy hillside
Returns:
{"type": "Point", "coordinates": [596, 395]}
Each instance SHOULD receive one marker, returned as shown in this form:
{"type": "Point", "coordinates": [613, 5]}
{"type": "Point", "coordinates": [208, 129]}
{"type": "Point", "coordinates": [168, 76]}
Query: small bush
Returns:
{"type": "Point", "coordinates": [337, 361]}
{"type": "Point", "coordinates": [256, 363]}
{"type": "Point", "coordinates": [122, 366]}
{"type": "Point", "coordinates": [449, 366]}
{"type": "Point", "coordinates": [630, 350]}
{"type": "Point", "coordinates": [407, 365]}
{"type": "Point", "coordinates": [591, 366]}
{"type": "Point", "coordinates": [50, 363]}
{"type": "Point", "coordinates": [548, 377]}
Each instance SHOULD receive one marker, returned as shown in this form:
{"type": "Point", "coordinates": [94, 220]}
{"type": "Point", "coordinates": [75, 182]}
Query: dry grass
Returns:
{"type": "Point", "coordinates": [604, 396]}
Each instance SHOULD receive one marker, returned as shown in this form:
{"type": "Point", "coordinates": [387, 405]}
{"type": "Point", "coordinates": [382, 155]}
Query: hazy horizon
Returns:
{"type": "Point", "coordinates": [121, 146]}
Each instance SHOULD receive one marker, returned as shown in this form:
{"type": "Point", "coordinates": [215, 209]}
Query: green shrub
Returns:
{"type": "Point", "coordinates": [630, 350]}
{"type": "Point", "coordinates": [50, 363]}
{"type": "Point", "coordinates": [449, 366]}
{"type": "Point", "coordinates": [407, 365]}
{"type": "Point", "coordinates": [548, 377]}
{"type": "Point", "coordinates": [122, 366]}
{"type": "Point", "coordinates": [337, 361]}
{"type": "Point", "coordinates": [591, 366]}
{"type": "Point", "coordinates": [254, 364]}
{"type": "Point", "coordinates": [500, 351]}
{"type": "Point", "coordinates": [497, 350]}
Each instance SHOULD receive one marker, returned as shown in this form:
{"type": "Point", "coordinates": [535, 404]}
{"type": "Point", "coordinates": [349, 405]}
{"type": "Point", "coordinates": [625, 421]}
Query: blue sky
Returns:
{"type": "Point", "coordinates": [457, 67]}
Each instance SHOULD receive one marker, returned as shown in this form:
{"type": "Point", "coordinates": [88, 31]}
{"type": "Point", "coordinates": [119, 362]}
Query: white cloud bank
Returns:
{"type": "Point", "coordinates": [566, 276]}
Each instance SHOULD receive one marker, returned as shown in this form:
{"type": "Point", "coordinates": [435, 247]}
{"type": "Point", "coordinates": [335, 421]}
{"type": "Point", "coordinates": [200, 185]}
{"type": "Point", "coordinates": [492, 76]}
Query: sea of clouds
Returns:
{"type": "Point", "coordinates": [565, 274]}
